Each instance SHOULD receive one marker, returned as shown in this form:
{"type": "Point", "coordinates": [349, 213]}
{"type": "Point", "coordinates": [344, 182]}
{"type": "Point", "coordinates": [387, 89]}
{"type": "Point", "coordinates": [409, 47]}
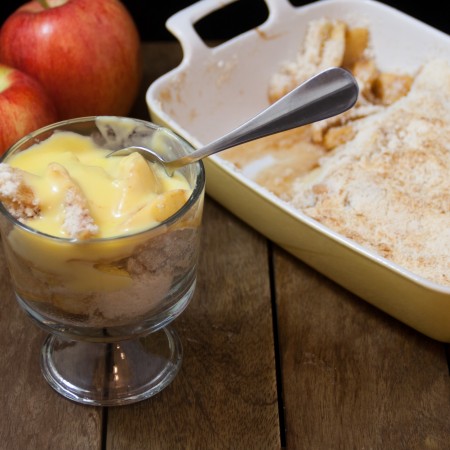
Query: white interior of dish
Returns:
{"type": "Point", "coordinates": [216, 89]}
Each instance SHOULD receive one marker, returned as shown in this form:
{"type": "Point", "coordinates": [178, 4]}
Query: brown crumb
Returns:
{"type": "Point", "coordinates": [16, 195]}
{"type": "Point", "coordinates": [78, 222]}
{"type": "Point", "coordinates": [337, 136]}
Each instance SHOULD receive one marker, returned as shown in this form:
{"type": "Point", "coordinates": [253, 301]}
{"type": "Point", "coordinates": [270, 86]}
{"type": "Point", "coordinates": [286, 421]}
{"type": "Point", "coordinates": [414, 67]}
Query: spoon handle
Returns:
{"type": "Point", "coordinates": [327, 94]}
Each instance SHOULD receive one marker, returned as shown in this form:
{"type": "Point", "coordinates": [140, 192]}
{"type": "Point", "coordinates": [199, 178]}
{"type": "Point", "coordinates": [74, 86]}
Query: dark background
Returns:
{"type": "Point", "coordinates": [150, 16]}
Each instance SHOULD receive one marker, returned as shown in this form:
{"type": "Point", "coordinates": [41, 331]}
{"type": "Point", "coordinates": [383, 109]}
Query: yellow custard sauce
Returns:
{"type": "Point", "coordinates": [97, 243]}
{"type": "Point", "coordinates": [123, 194]}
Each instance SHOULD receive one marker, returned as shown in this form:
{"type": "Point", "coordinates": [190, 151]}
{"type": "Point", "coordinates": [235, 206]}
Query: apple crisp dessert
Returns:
{"type": "Point", "coordinates": [378, 173]}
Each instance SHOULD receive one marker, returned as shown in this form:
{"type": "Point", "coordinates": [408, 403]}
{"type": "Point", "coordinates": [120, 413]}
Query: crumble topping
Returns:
{"type": "Point", "coordinates": [21, 202]}
{"type": "Point", "coordinates": [78, 222]}
{"type": "Point", "coordinates": [377, 173]}
{"type": "Point", "coordinates": [388, 188]}
{"type": "Point", "coordinates": [16, 195]}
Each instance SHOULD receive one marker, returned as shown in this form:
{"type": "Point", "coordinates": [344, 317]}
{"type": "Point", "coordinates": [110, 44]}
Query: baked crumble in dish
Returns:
{"type": "Point", "coordinates": [378, 173]}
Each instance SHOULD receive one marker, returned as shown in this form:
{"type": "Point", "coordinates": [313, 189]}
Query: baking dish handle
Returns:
{"type": "Point", "coordinates": [181, 24]}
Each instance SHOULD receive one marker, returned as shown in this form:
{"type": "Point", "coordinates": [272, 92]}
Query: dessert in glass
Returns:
{"type": "Point", "coordinates": [102, 252]}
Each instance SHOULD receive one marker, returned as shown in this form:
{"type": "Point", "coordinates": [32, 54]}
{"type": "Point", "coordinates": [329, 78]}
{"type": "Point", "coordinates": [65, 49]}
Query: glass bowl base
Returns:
{"type": "Point", "coordinates": [111, 374]}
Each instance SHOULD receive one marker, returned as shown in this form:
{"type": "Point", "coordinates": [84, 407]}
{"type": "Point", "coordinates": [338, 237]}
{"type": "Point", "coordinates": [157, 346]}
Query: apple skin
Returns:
{"type": "Point", "coordinates": [86, 53]}
{"type": "Point", "coordinates": [24, 106]}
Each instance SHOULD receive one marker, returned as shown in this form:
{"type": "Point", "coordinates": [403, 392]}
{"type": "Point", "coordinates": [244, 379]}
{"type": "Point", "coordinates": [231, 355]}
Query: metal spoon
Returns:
{"type": "Point", "coordinates": [326, 94]}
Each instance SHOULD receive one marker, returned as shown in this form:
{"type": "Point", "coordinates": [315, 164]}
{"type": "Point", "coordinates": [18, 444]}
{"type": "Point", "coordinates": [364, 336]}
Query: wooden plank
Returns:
{"type": "Point", "coordinates": [225, 394]}
{"type": "Point", "coordinates": [354, 377]}
{"type": "Point", "coordinates": [33, 416]}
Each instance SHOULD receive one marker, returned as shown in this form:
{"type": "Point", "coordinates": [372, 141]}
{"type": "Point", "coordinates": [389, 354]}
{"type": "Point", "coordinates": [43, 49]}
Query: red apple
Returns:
{"type": "Point", "coordinates": [24, 106]}
{"type": "Point", "coordinates": [86, 53]}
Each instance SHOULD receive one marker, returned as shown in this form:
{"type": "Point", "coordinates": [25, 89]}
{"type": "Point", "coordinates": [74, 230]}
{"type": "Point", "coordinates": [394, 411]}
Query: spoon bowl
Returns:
{"type": "Point", "coordinates": [330, 92]}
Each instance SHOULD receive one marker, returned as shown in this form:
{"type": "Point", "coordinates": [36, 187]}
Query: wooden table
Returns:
{"type": "Point", "coordinates": [275, 356]}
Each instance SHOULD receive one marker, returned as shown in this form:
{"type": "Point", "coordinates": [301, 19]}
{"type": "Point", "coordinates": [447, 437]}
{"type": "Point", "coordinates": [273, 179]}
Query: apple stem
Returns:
{"type": "Point", "coordinates": [44, 4]}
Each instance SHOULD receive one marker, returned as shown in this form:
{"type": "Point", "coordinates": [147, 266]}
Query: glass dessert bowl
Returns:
{"type": "Point", "coordinates": [106, 298]}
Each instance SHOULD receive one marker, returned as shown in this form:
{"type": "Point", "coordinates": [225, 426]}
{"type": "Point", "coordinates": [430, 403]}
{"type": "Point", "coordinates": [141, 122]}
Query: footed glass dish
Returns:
{"type": "Point", "coordinates": [107, 303]}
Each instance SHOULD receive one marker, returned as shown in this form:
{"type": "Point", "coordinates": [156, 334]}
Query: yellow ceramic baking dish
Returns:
{"type": "Point", "coordinates": [217, 88]}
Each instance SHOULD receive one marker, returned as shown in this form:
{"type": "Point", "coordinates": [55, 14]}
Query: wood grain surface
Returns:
{"type": "Point", "coordinates": [275, 356]}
